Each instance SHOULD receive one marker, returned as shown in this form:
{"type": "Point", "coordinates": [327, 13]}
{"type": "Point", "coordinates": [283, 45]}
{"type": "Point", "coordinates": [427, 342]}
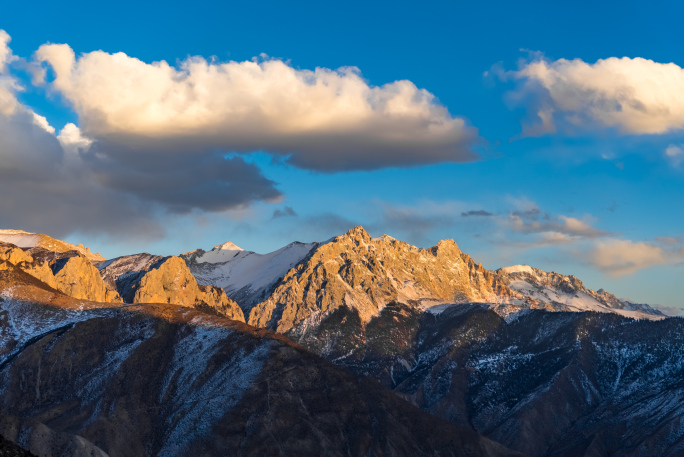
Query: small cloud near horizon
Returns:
{"type": "Point", "coordinates": [285, 212]}
{"type": "Point", "coordinates": [478, 212]}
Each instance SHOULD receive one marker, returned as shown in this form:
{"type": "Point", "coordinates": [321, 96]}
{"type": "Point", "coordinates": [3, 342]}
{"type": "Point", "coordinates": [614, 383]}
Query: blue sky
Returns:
{"type": "Point", "coordinates": [596, 191]}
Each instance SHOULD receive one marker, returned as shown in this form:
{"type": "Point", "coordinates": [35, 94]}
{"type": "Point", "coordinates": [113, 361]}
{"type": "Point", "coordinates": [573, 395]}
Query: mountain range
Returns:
{"type": "Point", "coordinates": [359, 345]}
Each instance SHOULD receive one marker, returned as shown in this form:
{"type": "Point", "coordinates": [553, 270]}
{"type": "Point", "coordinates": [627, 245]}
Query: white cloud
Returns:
{"type": "Point", "coordinates": [43, 123]}
{"type": "Point", "coordinates": [6, 55]}
{"type": "Point", "coordinates": [326, 120]}
{"type": "Point", "coordinates": [560, 225]}
{"type": "Point", "coordinates": [634, 96]}
{"type": "Point", "coordinates": [623, 257]}
{"type": "Point", "coordinates": [59, 185]}
{"type": "Point", "coordinates": [675, 154]}
{"type": "Point", "coordinates": [72, 140]}
{"type": "Point", "coordinates": [8, 85]}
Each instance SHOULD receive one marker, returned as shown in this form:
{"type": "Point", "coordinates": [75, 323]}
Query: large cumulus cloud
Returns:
{"type": "Point", "coordinates": [68, 182]}
{"type": "Point", "coordinates": [630, 95]}
{"type": "Point", "coordinates": [323, 120]}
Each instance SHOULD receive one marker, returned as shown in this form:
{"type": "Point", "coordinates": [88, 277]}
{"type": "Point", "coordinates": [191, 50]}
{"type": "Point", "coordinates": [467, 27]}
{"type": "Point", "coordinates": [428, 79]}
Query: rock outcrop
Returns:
{"type": "Point", "coordinates": [145, 278]}
{"type": "Point", "coordinates": [77, 277]}
{"type": "Point", "coordinates": [69, 272]}
{"type": "Point", "coordinates": [365, 274]}
{"type": "Point", "coordinates": [28, 240]}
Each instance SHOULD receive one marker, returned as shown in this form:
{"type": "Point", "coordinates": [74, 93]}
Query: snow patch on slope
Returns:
{"type": "Point", "coordinates": [245, 270]}
{"type": "Point", "coordinates": [567, 293]}
{"type": "Point", "coordinates": [518, 269]}
{"type": "Point", "coordinates": [197, 402]}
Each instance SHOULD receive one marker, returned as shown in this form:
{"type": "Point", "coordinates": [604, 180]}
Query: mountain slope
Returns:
{"type": "Point", "coordinates": [24, 239]}
{"type": "Point", "coordinates": [162, 380]}
{"type": "Point", "coordinates": [145, 278]}
{"type": "Point", "coordinates": [567, 293]}
{"type": "Point", "coordinates": [245, 276]}
{"type": "Point", "coordinates": [544, 383]}
{"type": "Point", "coordinates": [365, 274]}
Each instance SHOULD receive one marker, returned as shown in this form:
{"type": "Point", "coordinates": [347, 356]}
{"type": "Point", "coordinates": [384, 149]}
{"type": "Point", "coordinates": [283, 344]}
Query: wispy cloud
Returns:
{"type": "Point", "coordinates": [674, 153]}
{"type": "Point", "coordinates": [285, 212]}
{"type": "Point", "coordinates": [478, 212]}
{"type": "Point", "coordinates": [669, 310]}
{"type": "Point", "coordinates": [619, 257]}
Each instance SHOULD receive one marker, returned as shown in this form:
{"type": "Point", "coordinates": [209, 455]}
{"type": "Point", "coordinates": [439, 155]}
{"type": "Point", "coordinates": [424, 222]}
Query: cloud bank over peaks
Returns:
{"type": "Point", "coordinates": [630, 95]}
{"type": "Point", "coordinates": [323, 120]}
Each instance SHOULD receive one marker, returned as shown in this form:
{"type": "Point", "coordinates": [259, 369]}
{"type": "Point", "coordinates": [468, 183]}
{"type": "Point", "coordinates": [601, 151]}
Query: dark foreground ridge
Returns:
{"type": "Point", "coordinates": [9, 449]}
{"type": "Point", "coordinates": [544, 383]}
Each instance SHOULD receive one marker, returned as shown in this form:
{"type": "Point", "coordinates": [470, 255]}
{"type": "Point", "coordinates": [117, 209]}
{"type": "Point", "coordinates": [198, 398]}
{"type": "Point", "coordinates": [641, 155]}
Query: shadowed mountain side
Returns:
{"type": "Point", "coordinates": [543, 383]}
{"type": "Point", "coordinates": [9, 449]}
{"type": "Point", "coordinates": [143, 380]}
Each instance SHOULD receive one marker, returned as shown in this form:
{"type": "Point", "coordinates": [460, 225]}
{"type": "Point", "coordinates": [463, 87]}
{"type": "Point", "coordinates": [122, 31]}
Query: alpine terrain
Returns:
{"type": "Point", "coordinates": [352, 346]}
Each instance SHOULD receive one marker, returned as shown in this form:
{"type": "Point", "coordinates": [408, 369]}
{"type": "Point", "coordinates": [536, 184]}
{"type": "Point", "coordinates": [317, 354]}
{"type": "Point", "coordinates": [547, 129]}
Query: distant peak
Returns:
{"type": "Point", "coordinates": [518, 269]}
{"type": "Point", "coordinates": [385, 238]}
{"type": "Point", "coordinates": [358, 230]}
{"type": "Point", "coordinates": [227, 246]}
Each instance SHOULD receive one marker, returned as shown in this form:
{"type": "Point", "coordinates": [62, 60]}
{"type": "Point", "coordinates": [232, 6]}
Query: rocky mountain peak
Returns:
{"type": "Point", "coordinates": [146, 278]}
{"type": "Point", "coordinates": [71, 272]}
{"type": "Point", "coordinates": [358, 234]}
{"type": "Point", "coordinates": [364, 274]}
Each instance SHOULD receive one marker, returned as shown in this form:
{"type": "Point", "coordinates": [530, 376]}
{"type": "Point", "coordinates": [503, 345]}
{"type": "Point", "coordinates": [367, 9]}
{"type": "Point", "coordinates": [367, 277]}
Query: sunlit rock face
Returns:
{"type": "Point", "coordinates": [144, 278]}
{"type": "Point", "coordinates": [69, 272]}
{"type": "Point", "coordinates": [87, 379]}
{"type": "Point", "coordinates": [29, 240]}
{"type": "Point", "coordinates": [292, 289]}
{"type": "Point", "coordinates": [364, 273]}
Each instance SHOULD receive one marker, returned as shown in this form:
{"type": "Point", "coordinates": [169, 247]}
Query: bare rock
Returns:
{"type": "Point", "coordinates": [77, 277]}
{"type": "Point", "coordinates": [216, 300]}
{"type": "Point", "coordinates": [69, 272]}
{"type": "Point", "coordinates": [365, 274]}
{"type": "Point", "coordinates": [144, 278]}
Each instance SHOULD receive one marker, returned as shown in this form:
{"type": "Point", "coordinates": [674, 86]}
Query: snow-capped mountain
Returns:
{"type": "Point", "coordinates": [147, 278]}
{"type": "Point", "coordinates": [245, 275]}
{"type": "Point", "coordinates": [510, 354]}
{"type": "Point", "coordinates": [567, 293]}
{"type": "Point", "coordinates": [292, 288]}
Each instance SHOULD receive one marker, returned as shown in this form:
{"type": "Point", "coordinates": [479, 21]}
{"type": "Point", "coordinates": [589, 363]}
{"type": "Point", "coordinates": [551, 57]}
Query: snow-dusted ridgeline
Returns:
{"type": "Point", "coordinates": [245, 275]}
